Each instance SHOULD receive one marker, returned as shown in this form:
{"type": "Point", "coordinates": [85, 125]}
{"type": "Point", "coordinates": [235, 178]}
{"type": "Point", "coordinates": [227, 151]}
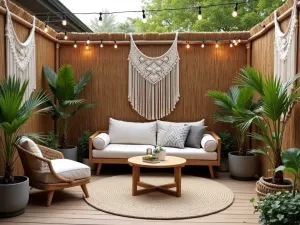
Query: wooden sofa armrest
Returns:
{"type": "Point", "coordinates": [91, 138]}
{"type": "Point", "coordinates": [46, 163]}
{"type": "Point", "coordinates": [50, 153]}
{"type": "Point", "coordinates": [218, 139]}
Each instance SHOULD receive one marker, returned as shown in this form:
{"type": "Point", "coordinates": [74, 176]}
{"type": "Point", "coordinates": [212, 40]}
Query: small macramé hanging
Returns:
{"type": "Point", "coordinates": [285, 48]}
{"type": "Point", "coordinates": [153, 85]}
{"type": "Point", "coordinates": [20, 57]}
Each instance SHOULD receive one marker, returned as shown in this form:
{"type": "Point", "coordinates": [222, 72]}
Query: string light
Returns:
{"type": "Point", "coordinates": [188, 44]}
{"type": "Point", "coordinates": [115, 46]}
{"type": "Point", "coordinates": [200, 14]}
{"type": "Point", "coordinates": [101, 44]}
{"type": "Point", "coordinates": [66, 36]}
{"type": "Point", "coordinates": [46, 27]}
{"type": "Point", "coordinates": [239, 40]}
{"type": "Point", "coordinates": [75, 44]}
{"type": "Point", "coordinates": [235, 11]}
{"type": "Point", "coordinates": [88, 40]}
{"type": "Point", "coordinates": [144, 16]}
{"type": "Point", "coordinates": [87, 47]}
{"type": "Point", "coordinates": [202, 46]}
{"type": "Point", "coordinates": [64, 22]}
{"type": "Point", "coordinates": [235, 43]}
{"type": "Point", "coordinates": [230, 45]}
{"type": "Point", "coordinates": [100, 20]}
{"type": "Point", "coordinates": [217, 45]}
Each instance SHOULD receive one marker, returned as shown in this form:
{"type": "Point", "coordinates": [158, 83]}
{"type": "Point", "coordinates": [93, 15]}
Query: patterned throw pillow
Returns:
{"type": "Point", "coordinates": [176, 136]}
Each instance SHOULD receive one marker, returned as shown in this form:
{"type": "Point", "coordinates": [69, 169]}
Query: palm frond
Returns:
{"type": "Point", "coordinates": [65, 83]}
{"type": "Point", "coordinates": [82, 106]}
{"type": "Point", "coordinates": [251, 79]}
{"type": "Point", "coordinates": [82, 82]}
{"type": "Point", "coordinates": [51, 77]}
{"type": "Point", "coordinates": [72, 102]}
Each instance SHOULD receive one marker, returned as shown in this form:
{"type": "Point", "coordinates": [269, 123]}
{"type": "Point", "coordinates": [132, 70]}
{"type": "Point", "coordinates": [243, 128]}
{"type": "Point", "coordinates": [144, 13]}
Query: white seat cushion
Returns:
{"type": "Point", "coordinates": [68, 169]}
{"type": "Point", "coordinates": [119, 151]}
{"type": "Point", "coordinates": [191, 153]}
{"type": "Point", "coordinates": [163, 126]}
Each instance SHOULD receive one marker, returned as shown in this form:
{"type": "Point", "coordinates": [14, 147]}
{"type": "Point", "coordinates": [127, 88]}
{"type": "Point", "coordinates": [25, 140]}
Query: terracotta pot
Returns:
{"type": "Point", "coordinates": [264, 186]}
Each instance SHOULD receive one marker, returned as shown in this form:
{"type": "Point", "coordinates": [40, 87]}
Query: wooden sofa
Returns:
{"type": "Point", "coordinates": [194, 162]}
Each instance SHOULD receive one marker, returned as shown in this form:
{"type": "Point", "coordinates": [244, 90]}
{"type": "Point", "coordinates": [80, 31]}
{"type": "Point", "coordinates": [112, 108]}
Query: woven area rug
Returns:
{"type": "Point", "coordinates": [200, 197]}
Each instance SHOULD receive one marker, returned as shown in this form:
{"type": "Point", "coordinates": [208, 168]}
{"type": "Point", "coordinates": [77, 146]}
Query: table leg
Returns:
{"type": "Point", "coordinates": [177, 178]}
{"type": "Point", "coordinates": [135, 179]}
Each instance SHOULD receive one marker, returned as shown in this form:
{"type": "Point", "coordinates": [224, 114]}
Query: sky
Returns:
{"type": "Point", "coordinates": [99, 5]}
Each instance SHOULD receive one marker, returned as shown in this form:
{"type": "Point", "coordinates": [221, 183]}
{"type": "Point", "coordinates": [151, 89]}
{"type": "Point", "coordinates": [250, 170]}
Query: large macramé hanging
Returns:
{"type": "Point", "coordinates": [20, 57]}
{"type": "Point", "coordinates": [153, 89]}
{"type": "Point", "coordinates": [285, 48]}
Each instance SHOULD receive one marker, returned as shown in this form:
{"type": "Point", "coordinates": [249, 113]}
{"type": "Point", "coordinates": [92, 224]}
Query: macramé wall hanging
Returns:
{"type": "Point", "coordinates": [153, 85]}
{"type": "Point", "coordinates": [285, 48]}
{"type": "Point", "coordinates": [20, 59]}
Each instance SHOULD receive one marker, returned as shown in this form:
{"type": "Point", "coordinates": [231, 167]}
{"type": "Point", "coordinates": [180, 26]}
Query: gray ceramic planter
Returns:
{"type": "Point", "coordinates": [242, 167]}
{"type": "Point", "coordinates": [14, 197]}
{"type": "Point", "coordinates": [69, 153]}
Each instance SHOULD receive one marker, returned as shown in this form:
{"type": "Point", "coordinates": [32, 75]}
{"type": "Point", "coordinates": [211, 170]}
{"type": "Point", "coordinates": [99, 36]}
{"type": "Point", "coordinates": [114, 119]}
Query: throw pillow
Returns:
{"type": "Point", "coordinates": [176, 136]}
{"type": "Point", "coordinates": [101, 141]}
{"type": "Point", "coordinates": [195, 136]}
{"type": "Point", "coordinates": [209, 144]}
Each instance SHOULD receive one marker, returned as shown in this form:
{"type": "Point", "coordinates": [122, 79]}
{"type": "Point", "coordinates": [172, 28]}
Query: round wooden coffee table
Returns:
{"type": "Point", "coordinates": [170, 162]}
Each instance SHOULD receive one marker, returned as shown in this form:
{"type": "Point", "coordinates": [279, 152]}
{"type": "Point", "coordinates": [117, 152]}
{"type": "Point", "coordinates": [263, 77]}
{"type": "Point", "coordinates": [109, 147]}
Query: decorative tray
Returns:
{"type": "Point", "coordinates": [150, 159]}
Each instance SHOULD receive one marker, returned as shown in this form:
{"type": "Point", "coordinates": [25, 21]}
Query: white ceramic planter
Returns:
{"type": "Point", "coordinates": [162, 155]}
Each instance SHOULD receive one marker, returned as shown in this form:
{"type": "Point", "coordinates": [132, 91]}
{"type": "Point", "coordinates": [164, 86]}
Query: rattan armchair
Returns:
{"type": "Point", "coordinates": [35, 166]}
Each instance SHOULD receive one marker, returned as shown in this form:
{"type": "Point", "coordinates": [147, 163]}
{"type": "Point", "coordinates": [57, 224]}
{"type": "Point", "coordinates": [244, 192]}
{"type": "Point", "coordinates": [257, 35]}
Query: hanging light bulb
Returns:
{"type": "Point", "coordinates": [202, 46]}
{"type": "Point", "coordinates": [88, 40]}
{"type": "Point", "coordinates": [199, 14]}
{"type": "Point", "coordinates": [100, 20]}
{"type": "Point", "coordinates": [234, 41]}
{"type": "Point", "coordinates": [217, 45]}
{"type": "Point", "coordinates": [101, 44]}
{"type": "Point", "coordinates": [235, 11]}
{"type": "Point", "coordinates": [230, 45]}
{"type": "Point", "coordinates": [87, 47]}
{"type": "Point", "coordinates": [66, 36]}
{"type": "Point", "coordinates": [188, 44]}
{"type": "Point", "coordinates": [75, 44]}
{"type": "Point", "coordinates": [144, 16]}
{"type": "Point", "coordinates": [46, 27]}
{"type": "Point", "coordinates": [115, 46]}
{"type": "Point", "coordinates": [64, 21]}
{"type": "Point", "coordinates": [239, 40]}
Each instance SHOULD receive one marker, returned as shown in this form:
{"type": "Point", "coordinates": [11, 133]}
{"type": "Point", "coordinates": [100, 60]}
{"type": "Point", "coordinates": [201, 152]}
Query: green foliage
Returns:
{"type": "Point", "coordinates": [214, 18]}
{"type": "Point", "coordinates": [51, 140]}
{"type": "Point", "coordinates": [279, 209]}
{"type": "Point", "coordinates": [15, 111]}
{"type": "Point", "coordinates": [65, 90]}
{"type": "Point", "coordinates": [291, 164]}
{"type": "Point", "coordinates": [271, 117]}
{"type": "Point", "coordinates": [158, 149]}
{"type": "Point", "coordinates": [83, 145]}
{"type": "Point", "coordinates": [228, 143]}
{"type": "Point", "coordinates": [232, 104]}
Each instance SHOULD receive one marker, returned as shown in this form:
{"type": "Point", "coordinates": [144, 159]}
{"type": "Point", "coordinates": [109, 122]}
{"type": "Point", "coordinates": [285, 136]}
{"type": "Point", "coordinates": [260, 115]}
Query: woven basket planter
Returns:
{"type": "Point", "coordinates": [264, 186]}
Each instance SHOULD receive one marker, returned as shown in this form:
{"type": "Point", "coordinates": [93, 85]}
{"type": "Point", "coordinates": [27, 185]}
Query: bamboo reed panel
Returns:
{"type": "Point", "coordinates": [200, 71]}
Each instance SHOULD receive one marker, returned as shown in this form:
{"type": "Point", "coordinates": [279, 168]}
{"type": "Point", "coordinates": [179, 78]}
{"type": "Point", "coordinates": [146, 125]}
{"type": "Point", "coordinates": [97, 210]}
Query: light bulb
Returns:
{"type": "Point", "coordinates": [46, 28]}
{"type": "Point", "coordinates": [64, 21]}
{"type": "Point", "coordinates": [87, 47]}
{"type": "Point", "coordinates": [115, 46]}
{"type": "Point", "coordinates": [144, 16]}
{"type": "Point", "coordinates": [217, 45]}
{"type": "Point", "coordinates": [88, 40]}
{"type": "Point", "coordinates": [66, 36]}
{"type": "Point", "coordinates": [230, 45]}
{"type": "Point", "coordinates": [239, 40]}
{"type": "Point", "coordinates": [235, 43]}
{"type": "Point", "coordinates": [199, 14]}
{"type": "Point", "coordinates": [75, 44]}
{"type": "Point", "coordinates": [100, 20]}
{"type": "Point", "coordinates": [101, 45]}
{"type": "Point", "coordinates": [202, 46]}
{"type": "Point", "coordinates": [235, 13]}
{"type": "Point", "coordinates": [188, 45]}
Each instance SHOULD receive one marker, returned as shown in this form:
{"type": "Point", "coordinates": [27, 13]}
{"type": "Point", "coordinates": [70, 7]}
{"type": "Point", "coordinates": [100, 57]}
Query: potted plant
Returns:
{"type": "Point", "coordinates": [68, 104]}
{"type": "Point", "coordinates": [228, 145]}
{"type": "Point", "coordinates": [15, 111]}
{"type": "Point", "coordinates": [282, 207]}
{"type": "Point", "coordinates": [242, 163]}
{"type": "Point", "coordinates": [276, 100]}
{"type": "Point", "coordinates": [83, 149]}
{"type": "Point", "coordinates": [51, 140]}
{"type": "Point", "coordinates": [160, 152]}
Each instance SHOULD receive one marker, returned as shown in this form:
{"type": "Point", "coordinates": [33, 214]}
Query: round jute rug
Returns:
{"type": "Point", "coordinates": [200, 197]}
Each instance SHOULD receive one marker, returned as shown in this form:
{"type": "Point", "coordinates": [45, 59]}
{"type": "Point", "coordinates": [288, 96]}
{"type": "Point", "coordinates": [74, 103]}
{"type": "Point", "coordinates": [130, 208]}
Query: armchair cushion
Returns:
{"type": "Point", "coordinates": [208, 143]}
{"type": "Point", "coordinates": [66, 168]}
{"type": "Point", "coordinates": [101, 141]}
{"type": "Point", "coordinates": [30, 146]}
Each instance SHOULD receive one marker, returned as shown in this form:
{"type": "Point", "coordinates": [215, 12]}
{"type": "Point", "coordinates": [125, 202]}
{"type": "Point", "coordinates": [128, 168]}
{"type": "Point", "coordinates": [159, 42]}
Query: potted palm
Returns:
{"type": "Point", "coordinates": [242, 163]}
{"type": "Point", "coordinates": [67, 104]}
{"type": "Point", "coordinates": [276, 100]}
{"type": "Point", "coordinates": [15, 111]}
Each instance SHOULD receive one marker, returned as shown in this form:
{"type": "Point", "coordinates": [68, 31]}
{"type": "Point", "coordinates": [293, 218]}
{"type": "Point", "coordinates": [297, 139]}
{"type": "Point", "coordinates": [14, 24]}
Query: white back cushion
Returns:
{"type": "Point", "coordinates": [121, 132]}
{"type": "Point", "coordinates": [101, 141]}
{"type": "Point", "coordinates": [30, 146]}
{"type": "Point", "coordinates": [163, 126]}
{"type": "Point", "coordinates": [208, 143]}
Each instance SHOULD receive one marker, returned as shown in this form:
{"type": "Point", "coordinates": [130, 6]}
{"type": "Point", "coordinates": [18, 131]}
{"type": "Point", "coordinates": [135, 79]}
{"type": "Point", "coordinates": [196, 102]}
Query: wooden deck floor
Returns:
{"type": "Point", "coordinates": [68, 207]}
